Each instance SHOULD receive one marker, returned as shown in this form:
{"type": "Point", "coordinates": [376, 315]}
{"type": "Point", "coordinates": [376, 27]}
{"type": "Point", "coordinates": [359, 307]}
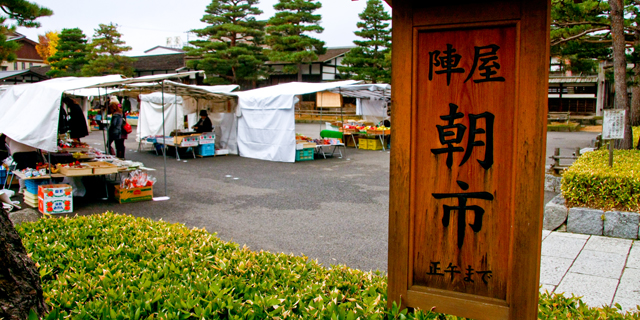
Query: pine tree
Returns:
{"type": "Point", "coordinates": [71, 54]}
{"type": "Point", "coordinates": [368, 60]}
{"type": "Point", "coordinates": [232, 50]}
{"type": "Point", "coordinates": [106, 49]}
{"type": "Point", "coordinates": [595, 21]}
{"type": "Point", "coordinates": [24, 13]}
{"type": "Point", "coordinates": [287, 34]}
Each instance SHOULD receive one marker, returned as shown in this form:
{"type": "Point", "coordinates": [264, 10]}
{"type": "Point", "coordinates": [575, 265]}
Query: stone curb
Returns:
{"type": "Point", "coordinates": [616, 224]}
{"type": "Point", "coordinates": [552, 183]}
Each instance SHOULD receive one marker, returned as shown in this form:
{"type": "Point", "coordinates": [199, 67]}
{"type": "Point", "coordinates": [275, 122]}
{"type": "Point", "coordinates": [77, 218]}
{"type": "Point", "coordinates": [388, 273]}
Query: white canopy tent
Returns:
{"type": "Point", "coordinates": [30, 113]}
{"type": "Point", "coordinates": [151, 120]}
{"type": "Point", "coordinates": [266, 123]}
{"type": "Point", "coordinates": [371, 99]}
{"type": "Point", "coordinates": [191, 98]}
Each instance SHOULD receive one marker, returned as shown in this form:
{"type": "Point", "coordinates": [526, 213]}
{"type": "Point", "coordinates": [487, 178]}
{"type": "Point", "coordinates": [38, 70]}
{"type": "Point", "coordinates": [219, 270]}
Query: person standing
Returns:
{"type": "Point", "coordinates": [204, 124]}
{"type": "Point", "coordinates": [116, 132]}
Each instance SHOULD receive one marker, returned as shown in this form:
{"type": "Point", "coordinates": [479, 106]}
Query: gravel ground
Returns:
{"type": "Point", "coordinates": [333, 210]}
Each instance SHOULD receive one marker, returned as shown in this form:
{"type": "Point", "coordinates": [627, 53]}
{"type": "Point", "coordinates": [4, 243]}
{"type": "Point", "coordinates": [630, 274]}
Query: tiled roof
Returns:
{"type": "Point", "coordinates": [330, 54]}
{"type": "Point", "coordinates": [159, 62]}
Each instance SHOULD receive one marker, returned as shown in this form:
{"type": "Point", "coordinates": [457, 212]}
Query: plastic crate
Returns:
{"type": "Point", "coordinates": [206, 150]}
{"type": "Point", "coordinates": [374, 144]}
{"type": "Point", "coordinates": [32, 185]}
{"type": "Point", "coordinates": [363, 143]}
{"type": "Point", "coordinates": [304, 154]}
{"type": "Point", "coordinates": [3, 174]}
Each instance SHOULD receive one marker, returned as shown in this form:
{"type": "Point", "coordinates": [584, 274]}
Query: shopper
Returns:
{"type": "Point", "coordinates": [204, 124]}
{"type": "Point", "coordinates": [116, 132]}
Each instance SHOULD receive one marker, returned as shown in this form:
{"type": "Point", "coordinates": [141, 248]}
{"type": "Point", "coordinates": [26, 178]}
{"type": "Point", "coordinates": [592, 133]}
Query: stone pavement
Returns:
{"type": "Point", "coordinates": [603, 270]}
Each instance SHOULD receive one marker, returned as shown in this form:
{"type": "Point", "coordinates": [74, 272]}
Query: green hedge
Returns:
{"type": "Point", "coordinates": [111, 266]}
{"type": "Point", "coordinates": [590, 182]}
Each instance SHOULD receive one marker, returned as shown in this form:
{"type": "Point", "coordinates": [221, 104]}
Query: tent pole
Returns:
{"type": "Point", "coordinates": [341, 109]}
{"type": "Point", "coordinates": [103, 116]}
{"type": "Point", "coordinates": [164, 143]}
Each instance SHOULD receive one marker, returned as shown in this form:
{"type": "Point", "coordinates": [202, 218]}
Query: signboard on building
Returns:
{"type": "Point", "coordinates": [613, 124]}
{"type": "Point", "coordinates": [467, 174]}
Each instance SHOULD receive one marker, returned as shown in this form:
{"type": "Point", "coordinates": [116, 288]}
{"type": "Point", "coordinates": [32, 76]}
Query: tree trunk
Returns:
{"type": "Point", "coordinates": [299, 72]}
{"type": "Point", "coordinates": [635, 90]}
{"type": "Point", "coordinates": [620, 69]}
{"type": "Point", "coordinates": [20, 288]}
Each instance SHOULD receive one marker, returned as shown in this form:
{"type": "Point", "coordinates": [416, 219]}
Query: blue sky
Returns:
{"type": "Point", "coordinates": [148, 23]}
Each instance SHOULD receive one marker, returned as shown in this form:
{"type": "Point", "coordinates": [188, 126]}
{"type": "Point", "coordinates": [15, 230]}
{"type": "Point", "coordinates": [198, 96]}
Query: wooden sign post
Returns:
{"type": "Point", "coordinates": [469, 101]}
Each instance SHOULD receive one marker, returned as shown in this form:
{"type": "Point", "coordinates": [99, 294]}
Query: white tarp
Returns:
{"type": "Point", "coordinates": [150, 117]}
{"type": "Point", "coordinates": [371, 110]}
{"type": "Point", "coordinates": [30, 112]}
{"type": "Point", "coordinates": [266, 127]}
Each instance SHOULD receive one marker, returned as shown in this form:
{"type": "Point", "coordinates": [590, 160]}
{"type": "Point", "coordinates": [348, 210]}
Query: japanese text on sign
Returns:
{"type": "Point", "coordinates": [613, 124]}
{"type": "Point", "coordinates": [484, 60]}
{"type": "Point", "coordinates": [453, 133]}
{"type": "Point", "coordinates": [470, 274]}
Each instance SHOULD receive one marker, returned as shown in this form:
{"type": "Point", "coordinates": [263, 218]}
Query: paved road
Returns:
{"type": "Point", "coordinates": [335, 211]}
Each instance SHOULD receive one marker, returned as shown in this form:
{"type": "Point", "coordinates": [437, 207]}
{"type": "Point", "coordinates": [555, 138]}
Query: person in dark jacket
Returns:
{"type": "Point", "coordinates": [77, 122]}
{"type": "Point", "coordinates": [116, 132]}
{"type": "Point", "coordinates": [204, 124]}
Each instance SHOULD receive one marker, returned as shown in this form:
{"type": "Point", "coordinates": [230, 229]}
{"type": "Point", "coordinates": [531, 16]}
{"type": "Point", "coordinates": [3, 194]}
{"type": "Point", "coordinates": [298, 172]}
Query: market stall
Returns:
{"type": "Point", "coordinates": [30, 116]}
{"type": "Point", "coordinates": [266, 119]}
{"type": "Point", "coordinates": [221, 107]}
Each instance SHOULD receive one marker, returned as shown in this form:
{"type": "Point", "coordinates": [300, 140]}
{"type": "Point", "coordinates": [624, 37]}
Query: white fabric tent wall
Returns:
{"type": "Point", "coordinates": [150, 117]}
{"type": "Point", "coordinates": [30, 112]}
{"type": "Point", "coordinates": [371, 110]}
{"type": "Point", "coordinates": [266, 124]}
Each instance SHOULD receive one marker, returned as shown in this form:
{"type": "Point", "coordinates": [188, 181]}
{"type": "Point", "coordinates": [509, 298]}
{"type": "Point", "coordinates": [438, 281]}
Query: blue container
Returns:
{"type": "Point", "coordinates": [3, 174]}
{"type": "Point", "coordinates": [206, 150]}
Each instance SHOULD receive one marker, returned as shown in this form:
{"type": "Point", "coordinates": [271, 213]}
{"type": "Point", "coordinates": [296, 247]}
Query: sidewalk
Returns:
{"type": "Point", "coordinates": [603, 270]}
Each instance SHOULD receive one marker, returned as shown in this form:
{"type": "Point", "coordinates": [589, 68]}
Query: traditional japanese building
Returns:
{"type": "Point", "coordinates": [325, 68]}
{"type": "Point", "coordinates": [27, 55]}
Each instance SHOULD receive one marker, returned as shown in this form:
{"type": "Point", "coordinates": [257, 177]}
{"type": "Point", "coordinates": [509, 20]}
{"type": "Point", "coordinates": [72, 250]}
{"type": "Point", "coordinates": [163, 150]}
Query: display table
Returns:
{"type": "Point", "coordinates": [321, 147]}
{"type": "Point", "coordinates": [170, 143]}
{"type": "Point", "coordinates": [352, 136]}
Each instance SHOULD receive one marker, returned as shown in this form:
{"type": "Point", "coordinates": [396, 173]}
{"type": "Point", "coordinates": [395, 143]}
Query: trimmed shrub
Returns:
{"type": "Point", "coordinates": [590, 182]}
{"type": "Point", "coordinates": [111, 266]}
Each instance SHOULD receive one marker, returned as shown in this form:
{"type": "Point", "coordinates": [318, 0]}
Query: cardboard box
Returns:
{"type": "Point", "coordinates": [55, 198]}
{"type": "Point", "coordinates": [134, 194]}
{"type": "Point", "coordinates": [207, 138]}
{"type": "Point", "coordinates": [187, 141]}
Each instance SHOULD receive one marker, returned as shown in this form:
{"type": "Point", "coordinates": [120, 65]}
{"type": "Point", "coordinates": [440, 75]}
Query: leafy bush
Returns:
{"type": "Point", "coordinates": [590, 182]}
{"type": "Point", "coordinates": [113, 266]}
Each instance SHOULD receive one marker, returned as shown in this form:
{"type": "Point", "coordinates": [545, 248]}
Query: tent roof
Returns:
{"type": "Point", "coordinates": [151, 78]}
{"type": "Point", "coordinates": [378, 91]}
{"type": "Point", "coordinates": [294, 88]}
{"type": "Point", "coordinates": [216, 93]}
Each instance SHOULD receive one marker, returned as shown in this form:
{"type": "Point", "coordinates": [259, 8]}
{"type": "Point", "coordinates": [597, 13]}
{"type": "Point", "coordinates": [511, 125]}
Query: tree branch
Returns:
{"type": "Point", "coordinates": [579, 35]}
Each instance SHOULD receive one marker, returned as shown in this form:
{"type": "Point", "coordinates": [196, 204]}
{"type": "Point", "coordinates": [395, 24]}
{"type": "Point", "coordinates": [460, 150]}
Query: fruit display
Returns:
{"type": "Point", "coordinates": [66, 144]}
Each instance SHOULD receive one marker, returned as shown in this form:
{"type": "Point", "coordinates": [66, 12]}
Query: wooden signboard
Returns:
{"type": "Point", "coordinates": [466, 191]}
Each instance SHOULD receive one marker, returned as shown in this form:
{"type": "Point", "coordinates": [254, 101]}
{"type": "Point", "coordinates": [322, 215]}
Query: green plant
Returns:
{"type": "Point", "coordinates": [592, 183]}
{"type": "Point", "coordinates": [112, 266]}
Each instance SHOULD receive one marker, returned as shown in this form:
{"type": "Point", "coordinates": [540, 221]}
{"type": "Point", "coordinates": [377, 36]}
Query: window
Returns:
{"type": "Point", "coordinates": [4, 68]}
{"type": "Point", "coordinates": [30, 65]}
{"type": "Point", "coordinates": [15, 66]}
{"type": "Point", "coordinates": [24, 66]}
